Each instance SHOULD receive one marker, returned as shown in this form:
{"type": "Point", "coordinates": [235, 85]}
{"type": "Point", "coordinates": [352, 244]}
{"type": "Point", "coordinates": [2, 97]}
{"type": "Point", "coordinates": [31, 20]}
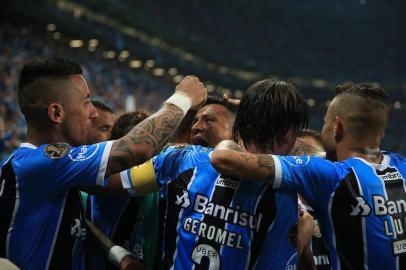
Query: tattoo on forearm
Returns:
{"type": "Point", "coordinates": [302, 149]}
{"type": "Point", "coordinates": [153, 132]}
{"type": "Point", "coordinates": [266, 162]}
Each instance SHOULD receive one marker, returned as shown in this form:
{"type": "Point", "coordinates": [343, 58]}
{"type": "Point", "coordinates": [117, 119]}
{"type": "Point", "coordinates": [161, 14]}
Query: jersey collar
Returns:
{"type": "Point", "coordinates": [28, 145]}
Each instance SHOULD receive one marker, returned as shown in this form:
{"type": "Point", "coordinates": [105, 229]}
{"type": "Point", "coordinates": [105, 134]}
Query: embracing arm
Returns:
{"type": "Point", "coordinates": [149, 136]}
{"type": "Point", "coordinates": [229, 159]}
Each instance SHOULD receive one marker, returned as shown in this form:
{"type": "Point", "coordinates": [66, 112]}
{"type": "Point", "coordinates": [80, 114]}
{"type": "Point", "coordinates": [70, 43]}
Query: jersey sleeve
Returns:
{"type": "Point", "coordinates": [160, 170]}
{"type": "Point", "coordinates": [312, 177]}
{"type": "Point", "coordinates": [55, 170]}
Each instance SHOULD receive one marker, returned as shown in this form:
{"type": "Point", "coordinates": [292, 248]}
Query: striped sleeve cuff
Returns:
{"type": "Point", "coordinates": [101, 175]}
{"type": "Point", "coordinates": [127, 183]}
{"type": "Point", "coordinates": [278, 172]}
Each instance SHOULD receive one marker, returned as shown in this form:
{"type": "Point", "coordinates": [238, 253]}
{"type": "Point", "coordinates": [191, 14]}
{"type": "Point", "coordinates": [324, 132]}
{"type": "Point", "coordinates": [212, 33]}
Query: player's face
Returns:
{"type": "Point", "coordinates": [79, 112]}
{"type": "Point", "coordinates": [211, 125]}
{"type": "Point", "coordinates": [101, 127]}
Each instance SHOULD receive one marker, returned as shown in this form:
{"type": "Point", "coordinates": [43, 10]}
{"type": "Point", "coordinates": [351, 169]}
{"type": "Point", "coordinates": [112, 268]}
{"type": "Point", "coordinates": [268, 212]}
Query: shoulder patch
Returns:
{"type": "Point", "coordinates": [56, 150]}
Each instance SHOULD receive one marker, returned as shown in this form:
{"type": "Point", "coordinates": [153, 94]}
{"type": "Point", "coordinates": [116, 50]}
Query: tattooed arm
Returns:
{"type": "Point", "coordinates": [149, 136]}
{"type": "Point", "coordinates": [229, 159]}
{"type": "Point", "coordinates": [303, 149]}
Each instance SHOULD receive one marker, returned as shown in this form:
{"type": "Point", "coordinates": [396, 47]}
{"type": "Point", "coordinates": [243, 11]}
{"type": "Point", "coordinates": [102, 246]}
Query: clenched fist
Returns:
{"type": "Point", "coordinates": [194, 89]}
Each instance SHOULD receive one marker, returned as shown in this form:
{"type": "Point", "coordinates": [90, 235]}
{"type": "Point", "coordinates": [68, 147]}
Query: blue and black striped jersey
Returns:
{"type": "Point", "coordinates": [41, 216]}
{"type": "Point", "coordinates": [216, 222]}
{"type": "Point", "coordinates": [361, 207]}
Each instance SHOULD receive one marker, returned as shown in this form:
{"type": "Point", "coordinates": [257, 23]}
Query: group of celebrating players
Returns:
{"type": "Point", "coordinates": [203, 183]}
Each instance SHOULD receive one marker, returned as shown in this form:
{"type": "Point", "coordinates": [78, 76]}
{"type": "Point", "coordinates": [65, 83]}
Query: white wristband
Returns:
{"type": "Point", "coordinates": [116, 254]}
{"type": "Point", "coordinates": [180, 100]}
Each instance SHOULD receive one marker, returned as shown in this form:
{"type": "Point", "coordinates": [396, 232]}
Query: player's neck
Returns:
{"type": "Point", "coordinates": [370, 153]}
{"type": "Point", "coordinates": [38, 138]}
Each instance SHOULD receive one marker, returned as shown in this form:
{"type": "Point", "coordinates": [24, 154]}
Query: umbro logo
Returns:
{"type": "Point", "coordinates": [183, 200]}
{"type": "Point", "coordinates": [77, 230]}
{"type": "Point", "coordinates": [361, 208]}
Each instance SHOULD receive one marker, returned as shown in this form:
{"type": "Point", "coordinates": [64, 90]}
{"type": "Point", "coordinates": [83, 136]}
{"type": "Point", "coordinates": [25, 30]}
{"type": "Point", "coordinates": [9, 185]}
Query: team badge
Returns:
{"type": "Point", "coordinates": [56, 150]}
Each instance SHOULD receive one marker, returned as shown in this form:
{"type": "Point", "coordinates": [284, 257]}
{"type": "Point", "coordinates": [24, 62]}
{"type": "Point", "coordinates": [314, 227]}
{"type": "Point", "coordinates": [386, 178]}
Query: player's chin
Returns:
{"type": "Point", "coordinates": [199, 141]}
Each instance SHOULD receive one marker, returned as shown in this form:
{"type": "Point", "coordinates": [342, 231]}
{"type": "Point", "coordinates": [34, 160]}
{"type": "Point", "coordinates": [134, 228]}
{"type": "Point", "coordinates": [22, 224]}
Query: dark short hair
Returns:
{"type": "Point", "coordinates": [343, 86]}
{"type": "Point", "coordinates": [99, 103]}
{"type": "Point", "coordinates": [126, 122]}
{"type": "Point", "coordinates": [213, 99]}
{"type": "Point", "coordinates": [369, 91]}
{"type": "Point", "coordinates": [368, 114]}
{"type": "Point", "coordinates": [268, 109]}
{"type": "Point", "coordinates": [35, 85]}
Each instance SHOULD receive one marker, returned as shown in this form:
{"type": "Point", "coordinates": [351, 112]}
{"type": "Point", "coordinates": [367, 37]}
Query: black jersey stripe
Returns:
{"type": "Point", "coordinates": [221, 195]}
{"type": "Point", "coordinates": [171, 219]}
{"type": "Point", "coordinates": [266, 207]}
{"type": "Point", "coordinates": [348, 229]}
{"type": "Point", "coordinates": [395, 190]}
{"type": "Point", "coordinates": [124, 228]}
{"type": "Point", "coordinates": [72, 213]}
{"type": "Point", "coordinates": [8, 198]}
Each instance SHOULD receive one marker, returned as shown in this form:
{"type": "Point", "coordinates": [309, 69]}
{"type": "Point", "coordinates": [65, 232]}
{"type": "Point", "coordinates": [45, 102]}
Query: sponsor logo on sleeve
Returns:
{"type": "Point", "coordinates": [85, 152]}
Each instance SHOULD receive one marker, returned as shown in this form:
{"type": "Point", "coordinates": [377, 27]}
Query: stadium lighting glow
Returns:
{"type": "Point", "coordinates": [223, 70]}
{"type": "Point", "coordinates": [91, 48]}
{"type": "Point", "coordinates": [109, 54]}
{"type": "Point", "coordinates": [319, 83]}
{"type": "Point", "coordinates": [311, 102]}
{"type": "Point", "coordinates": [135, 64]}
{"type": "Point", "coordinates": [149, 64]}
{"type": "Point", "coordinates": [210, 87]}
{"type": "Point", "coordinates": [76, 43]}
{"type": "Point", "coordinates": [56, 35]}
{"type": "Point", "coordinates": [397, 105]}
{"type": "Point", "coordinates": [51, 27]}
{"type": "Point", "coordinates": [238, 93]}
{"type": "Point", "coordinates": [177, 78]}
{"type": "Point", "coordinates": [123, 55]}
{"type": "Point", "coordinates": [93, 42]}
{"type": "Point", "coordinates": [172, 71]}
{"type": "Point", "coordinates": [158, 72]}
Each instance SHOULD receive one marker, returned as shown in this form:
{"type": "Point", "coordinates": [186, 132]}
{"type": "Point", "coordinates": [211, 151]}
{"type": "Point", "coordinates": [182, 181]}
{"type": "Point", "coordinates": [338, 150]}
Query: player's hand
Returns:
{"type": "Point", "coordinates": [305, 228]}
{"type": "Point", "coordinates": [226, 98]}
{"type": "Point", "coordinates": [194, 89]}
{"type": "Point", "coordinates": [130, 263]}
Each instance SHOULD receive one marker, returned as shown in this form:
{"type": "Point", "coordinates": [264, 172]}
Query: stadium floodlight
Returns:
{"type": "Point", "coordinates": [76, 43]}
{"type": "Point", "coordinates": [158, 72]}
{"type": "Point", "coordinates": [311, 102]}
{"type": "Point", "coordinates": [135, 64]}
{"type": "Point", "coordinates": [56, 35]}
{"type": "Point", "coordinates": [51, 27]}
{"type": "Point", "coordinates": [93, 42]}
{"type": "Point", "coordinates": [238, 93]}
{"type": "Point", "coordinates": [177, 78]}
{"type": "Point", "coordinates": [172, 71]}
{"type": "Point", "coordinates": [210, 87]}
{"type": "Point", "coordinates": [109, 54]}
{"type": "Point", "coordinates": [149, 64]}
{"type": "Point", "coordinates": [397, 105]}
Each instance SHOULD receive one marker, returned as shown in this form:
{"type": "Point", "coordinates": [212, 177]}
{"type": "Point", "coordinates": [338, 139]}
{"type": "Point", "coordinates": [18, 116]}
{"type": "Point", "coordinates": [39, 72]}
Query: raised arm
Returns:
{"type": "Point", "coordinates": [149, 136]}
{"type": "Point", "coordinates": [229, 159]}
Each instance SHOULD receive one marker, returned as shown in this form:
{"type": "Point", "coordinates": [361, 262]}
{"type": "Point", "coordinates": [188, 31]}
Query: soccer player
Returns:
{"type": "Point", "coordinates": [360, 201]}
{"type": "Point", "coordinates": [102, 125]}
{"type": "Point", "coordinates": [116, 215]}
{"type": "Point", "coordinates": [41, 219]}
{"type": "Point", "coordinates": [213, 221]}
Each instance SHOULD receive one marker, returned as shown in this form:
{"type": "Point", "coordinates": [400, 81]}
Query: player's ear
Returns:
{"type": "Point", "coordinates": [338, 129]}
{"type": "Point", "coordinates": [56, 113]}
